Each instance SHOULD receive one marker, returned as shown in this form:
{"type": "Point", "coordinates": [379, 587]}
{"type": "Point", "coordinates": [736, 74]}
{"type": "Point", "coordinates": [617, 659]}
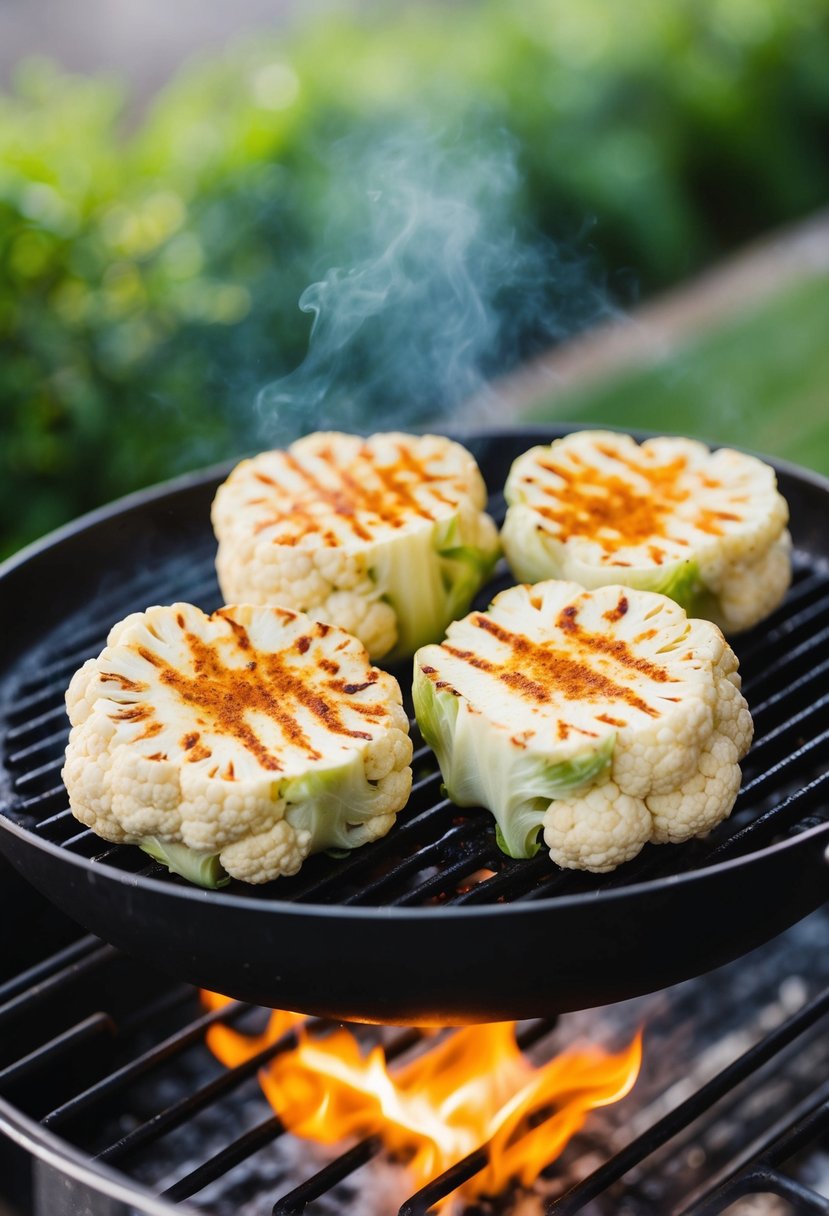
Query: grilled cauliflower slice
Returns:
{"type": "Point", "coordinates": [706, 528]}
{"type": "Point", "coordinates": [235, 744]}
{"type": "Point", "coordinates": [605, 716]}
{"type": "Point", "coordinates": [385, 537]}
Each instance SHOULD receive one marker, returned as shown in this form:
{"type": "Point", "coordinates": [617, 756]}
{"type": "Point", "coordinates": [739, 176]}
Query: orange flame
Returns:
{"type": "Point", "coordinates": [471, 1089]}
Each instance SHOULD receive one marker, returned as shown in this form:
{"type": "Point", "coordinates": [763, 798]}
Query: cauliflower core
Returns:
{"type": "Point", "coordinates": [606, 716]}
{"type": "Point", "coordinates": [706, 528]}
{"type": "Point", "coordinates": [255, 736]}
{"type": "Point", "coordinates": [385, 537]}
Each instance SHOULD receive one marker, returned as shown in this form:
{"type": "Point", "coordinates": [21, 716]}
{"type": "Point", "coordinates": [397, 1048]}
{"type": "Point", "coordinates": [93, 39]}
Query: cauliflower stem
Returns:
{"type": "Point", "coordinates": [482, 767]}
{"type": "Point", "coordinates": [202, 869]}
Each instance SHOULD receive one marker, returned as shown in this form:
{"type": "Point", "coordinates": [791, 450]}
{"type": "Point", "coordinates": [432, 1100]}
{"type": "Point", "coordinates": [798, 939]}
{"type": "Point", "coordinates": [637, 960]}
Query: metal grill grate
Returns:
{"type": "Point", "coordinates": [127, 1104]}
{"type": "Point", "coordinates": [438, 853]}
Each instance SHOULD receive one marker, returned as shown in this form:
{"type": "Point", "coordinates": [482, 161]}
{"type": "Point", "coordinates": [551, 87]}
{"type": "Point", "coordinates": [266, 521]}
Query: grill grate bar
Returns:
{"type": "Point", "coordinates": [769, 824]}
{"type": "Point", "coordinates": [780, 667]}
{"type": "Point", "coordinates": [444, 883]}
{"type": "Point", "coordinates": [32, 724]}
{"type": "Point", "coordinates": [686, 1112]}
{"type": "Point", "coordinates": [94, 638]}
{"type": "Point", "coordinates": [814, 676]}
{"type": "Point", "coordinates": [264, 1133]}
{"type": "Point", "coordinates": [753, 1155]}
{"type": "Point", "coordinates": [781, 732]}
{"type": "Point", "coordinates": [251, 1142]}
{"type": "Point", "coordinates": [36, 774]}
{"type": "Point", "coordinates": [775, 771]}
{"type": "Point", "coordinates": [515, 881]}
{"type": "Point", "coordinates": [764, 1178]}
{"type": "Point", "coordinates": [47, 987]}
{"type": "Point", "coordinates": [81, 1103]}
{"type": "Point", "coordinates": [424, 859]}
{"type": "Point", "coordinates": [82, 1032]}
{"type": "Point", "coordinates": [56, 739]}
{"type": "Point", "coordinates": [40, 971]}
{"type": "Point", "coordinates": [179, 1112]}
{"type": "Point", "coordinates": [405, 836]}
{"type": "Point", "coordinates": [794, 621]}
{"type": "Point", "coordinates": [295, 1202]}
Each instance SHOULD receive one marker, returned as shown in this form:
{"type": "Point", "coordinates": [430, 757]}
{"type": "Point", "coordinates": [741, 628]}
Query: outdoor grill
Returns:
{"type": "Point", "coordinates": [107, 1088]}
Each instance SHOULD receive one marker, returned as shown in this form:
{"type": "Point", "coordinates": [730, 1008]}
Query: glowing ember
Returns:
{"type": "Point", "coordinates": [471, 1088]}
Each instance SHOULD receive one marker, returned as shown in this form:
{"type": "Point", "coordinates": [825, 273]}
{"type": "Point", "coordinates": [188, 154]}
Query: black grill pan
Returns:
{"type": "Point", "coordinates": [432, 923]}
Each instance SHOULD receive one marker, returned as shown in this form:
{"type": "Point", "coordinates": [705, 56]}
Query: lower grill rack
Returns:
{"type": "Point", "coordinates": [111, 1058]}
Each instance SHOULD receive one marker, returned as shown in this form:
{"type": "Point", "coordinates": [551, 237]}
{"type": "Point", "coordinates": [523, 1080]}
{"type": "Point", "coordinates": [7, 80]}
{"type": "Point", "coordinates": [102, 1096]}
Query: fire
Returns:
{"type": "Point", "coordinates": [473, 1088]}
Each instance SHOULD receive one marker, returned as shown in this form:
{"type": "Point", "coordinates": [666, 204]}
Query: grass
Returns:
{"type": "Point", "coordinates": [760, 381]}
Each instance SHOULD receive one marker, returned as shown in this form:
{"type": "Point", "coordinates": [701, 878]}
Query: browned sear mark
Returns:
{"type": "Point", "coordinates": [616, 614]}
{"type": "Point", "coordinates": [225, 696]}
{"type": "Point", "coordinates": [358, 495]}
{"type": "Point", "coordinates": [540, 672]}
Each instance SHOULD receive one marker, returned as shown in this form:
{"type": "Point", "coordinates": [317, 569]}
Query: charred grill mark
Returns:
{"type": "Point", "coordinates": [240, 634]}
{"type": "Point", "coordinates": [149, 657]}
{"type": "Point", "coordinates": [543, 670]}
{"type": "Point", "coordinates": [614, 647]}
{"type": "Point", "coordinates": [609, 503]}
{"type": "Point", "coordinates": [150, 731]}
{"type": "Point", "coordinates": [158, 756]}
{"type": "Point", "coordinates": [329, 665]}
{"type": "Point", "coordinates": [616, 614]}
{"type": "Point", "coordinates": [125, 684]}
{"type": "Point", "coordinates": [134, 713]}
{"type": "Point", "coordinates": [620, 722]}
{"type": "Point", "coordinates": [302, 644]}
{"type": "Point", "coordinates": [225, 696]}
{"type": "Point", "coordinates": [367, 488]}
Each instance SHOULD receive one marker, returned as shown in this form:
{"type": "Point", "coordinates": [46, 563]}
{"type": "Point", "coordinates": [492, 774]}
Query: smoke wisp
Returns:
{"type": "Point", "coordinates": [435, 286]}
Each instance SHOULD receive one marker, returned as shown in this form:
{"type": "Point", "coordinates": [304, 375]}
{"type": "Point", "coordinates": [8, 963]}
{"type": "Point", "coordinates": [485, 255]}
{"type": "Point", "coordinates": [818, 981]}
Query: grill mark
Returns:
{"type": "Point", "coordinates": [616, 614]}
{"type": "Point", "coordinates": [615, 647]}
{"type": "Point", "coordinates": [125, 684]}
{"type": "Point", "coordinates": [150, 731]}
{"type": "Point", "coordinates": [609, 502]}
{"type": "Point", "coordinates": [225, 696]}
{"type": "Point", "coordinates": [542, 671]}
{"type": "Point", "coordinates": [135, 713]}
{"type": "Point", "coordinates": [354, 494]}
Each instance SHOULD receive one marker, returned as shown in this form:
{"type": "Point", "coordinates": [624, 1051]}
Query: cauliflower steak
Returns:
{"type": "Point", "coordinates": [385, 537]}
{"type": "Point", "coordinates": [235, 744]}
{"type": "Point", "coordinates": [706, 528]}
{"type": "Point", "coordinates": [607, 717]}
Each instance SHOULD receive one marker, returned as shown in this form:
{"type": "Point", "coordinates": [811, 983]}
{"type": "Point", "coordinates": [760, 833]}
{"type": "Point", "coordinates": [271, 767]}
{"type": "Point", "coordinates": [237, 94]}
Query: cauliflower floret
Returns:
{"type": "Point", "coordinates": [597, 831]}
{"type": "Point", "coordinates": [384, 537]}
{"type": "Point", "coordinates": [702, 801]}
{"type": "Point", "coordinates": [606, 716]}
{"type": "Point", "coordinates": [254, 736]}
{"type": "Point", "coordinates": [256, 859]}
{"type": "Point", "coordinates": [706, 528]}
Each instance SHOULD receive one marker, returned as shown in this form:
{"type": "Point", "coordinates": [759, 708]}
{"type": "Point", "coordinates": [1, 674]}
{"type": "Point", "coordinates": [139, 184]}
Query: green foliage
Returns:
{"type": "Point", "coordinates": [150, 268]}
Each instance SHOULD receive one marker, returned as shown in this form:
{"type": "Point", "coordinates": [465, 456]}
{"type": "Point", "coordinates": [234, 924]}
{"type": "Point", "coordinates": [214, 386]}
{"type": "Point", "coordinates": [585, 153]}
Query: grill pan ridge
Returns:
{"type": "Point", "coordinates": [406, 929]}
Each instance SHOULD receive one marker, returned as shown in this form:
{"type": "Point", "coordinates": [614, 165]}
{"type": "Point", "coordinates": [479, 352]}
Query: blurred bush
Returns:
{"type": "Point", "coordinates": [150, 266]}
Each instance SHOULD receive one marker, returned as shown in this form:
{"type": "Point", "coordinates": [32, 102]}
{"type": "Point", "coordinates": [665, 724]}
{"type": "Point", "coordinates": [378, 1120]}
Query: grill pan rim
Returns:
{"type": "Point", "coordinates": [359, 913]}
{"type": "Point", "coordinates": [109, 513]}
